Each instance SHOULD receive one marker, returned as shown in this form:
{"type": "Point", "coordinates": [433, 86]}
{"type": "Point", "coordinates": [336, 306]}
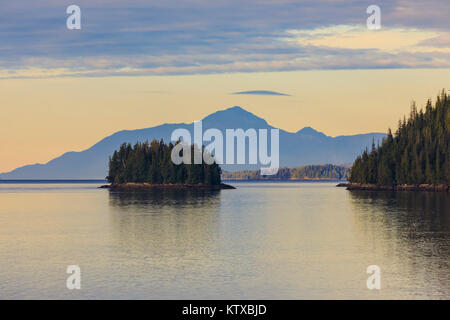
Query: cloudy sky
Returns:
{"type": "Point", "coordinates": [221, 36]}
{"type": "Point", "coordinates": [173, 61]}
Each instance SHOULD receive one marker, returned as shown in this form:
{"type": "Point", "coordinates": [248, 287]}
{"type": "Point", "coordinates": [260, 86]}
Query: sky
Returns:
{"type": "Point", "coordinates": [137, 64]}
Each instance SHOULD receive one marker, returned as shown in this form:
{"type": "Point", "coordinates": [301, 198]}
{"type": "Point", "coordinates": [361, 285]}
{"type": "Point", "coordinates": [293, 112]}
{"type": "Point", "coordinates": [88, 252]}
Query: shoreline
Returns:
{"type": "Point", "coordinates": [290, 179]}
{"type": "Point", "coordinates": [404, 187]}
{"type": "Point", "coordinates": [132, 186]}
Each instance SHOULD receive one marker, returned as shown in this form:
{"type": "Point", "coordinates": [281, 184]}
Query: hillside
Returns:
{"type": "Point", "coordinates": [311, 172]}
{"type": "Point", "coordinates": [418, 152]}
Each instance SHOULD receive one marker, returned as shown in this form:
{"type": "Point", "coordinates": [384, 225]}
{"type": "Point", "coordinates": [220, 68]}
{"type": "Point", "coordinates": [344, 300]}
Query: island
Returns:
{"type": "Point", "coordinates": [325, 172]}
{"type": "Point", "coordinates": [149, 166]}
{"type": "Point", "coordinates": [415, 158]}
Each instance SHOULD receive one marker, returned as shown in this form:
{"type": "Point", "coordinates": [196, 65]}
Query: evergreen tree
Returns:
{"type": "Point", "coordinates": [152, 163]}
{"type": "Point", "coordinates": [418, 153]}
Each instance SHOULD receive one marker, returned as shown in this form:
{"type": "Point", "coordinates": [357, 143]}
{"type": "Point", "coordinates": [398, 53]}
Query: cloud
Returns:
{"type": "Point", "coordinates": [440, 41]}
{"type": "Point", "coordinates": [357, 37]}
{"type": "Point", "coordinates": [262, 93]}
{"type": "Point", "coordinates": [152, 37]}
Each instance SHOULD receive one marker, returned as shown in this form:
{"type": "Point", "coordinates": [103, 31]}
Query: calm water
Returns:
{"type": "Point", "coordinates": [261, 241]}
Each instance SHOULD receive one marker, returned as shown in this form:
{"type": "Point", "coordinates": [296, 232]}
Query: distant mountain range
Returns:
{"type": "Point", "coordinates": [306, 146]}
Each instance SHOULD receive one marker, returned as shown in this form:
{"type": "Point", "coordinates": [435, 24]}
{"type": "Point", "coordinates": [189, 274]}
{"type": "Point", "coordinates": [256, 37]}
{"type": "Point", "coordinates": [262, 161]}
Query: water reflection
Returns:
{"type": "Point", "coordinates": [160, 198]}
{"type": "Point", "coordinates": [262, 241]}
{"type": "Point", "coordinates": [152, 224]}
{"type": "Point", "coordinates": [411, 230]}
{"type": "Point", "coordinates": [414, 216]}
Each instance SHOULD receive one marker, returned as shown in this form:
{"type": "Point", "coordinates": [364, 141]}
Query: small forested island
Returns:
{"type": "Point", "coordinates": [416, 157]}
{"type": "Point", "coordinates": [149, 165]}
{"type": "Point", "coordinates": [302, 173]}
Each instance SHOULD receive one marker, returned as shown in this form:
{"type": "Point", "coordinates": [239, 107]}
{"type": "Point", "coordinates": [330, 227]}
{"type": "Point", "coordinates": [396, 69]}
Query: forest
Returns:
{"type": "Point", "coordinates": [152, 163]}
{"type": "Point", "coordinates": [417, 153]}
{"type": "Point", "coordinates": [310, 172]}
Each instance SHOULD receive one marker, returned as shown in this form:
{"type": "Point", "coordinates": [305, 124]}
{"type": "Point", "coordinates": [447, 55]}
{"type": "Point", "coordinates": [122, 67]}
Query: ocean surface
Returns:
{"type": "Point", "coordinates": [264, 240]}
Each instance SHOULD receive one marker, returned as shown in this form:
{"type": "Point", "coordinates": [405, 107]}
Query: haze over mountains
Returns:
{"type": "Point", "coordinates": [306, 146]}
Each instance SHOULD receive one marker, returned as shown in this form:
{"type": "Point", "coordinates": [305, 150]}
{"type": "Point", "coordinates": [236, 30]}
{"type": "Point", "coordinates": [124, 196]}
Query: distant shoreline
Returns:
{"type": "Point", "coordinates": [403, 187]}
{"type": "Point", "coordinates": [131, 186]}
{"type": "Point", "coordinates": [286, 180]}
{"type": "Point", "coordinates": [50, 181]}
{"type": "Point", "coordinates": [103, 181]}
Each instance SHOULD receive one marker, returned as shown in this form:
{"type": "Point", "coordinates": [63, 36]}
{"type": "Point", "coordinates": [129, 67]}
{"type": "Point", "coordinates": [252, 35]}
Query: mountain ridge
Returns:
{"type": "Point", "coordinates": [306, 146]}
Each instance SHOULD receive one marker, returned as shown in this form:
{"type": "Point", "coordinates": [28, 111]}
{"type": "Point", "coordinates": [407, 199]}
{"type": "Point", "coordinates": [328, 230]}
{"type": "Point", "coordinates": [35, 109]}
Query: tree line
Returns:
{"type": "Point", "coordinates": [152, 163]}
{"type": "Point", "coordinates": [325, 172]}
{"type": "Point", "coordinates": [418, 152]}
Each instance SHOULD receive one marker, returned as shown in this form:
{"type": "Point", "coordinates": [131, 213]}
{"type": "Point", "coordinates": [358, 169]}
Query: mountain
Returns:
{"type": "Point", "coordinates": [306, 146]}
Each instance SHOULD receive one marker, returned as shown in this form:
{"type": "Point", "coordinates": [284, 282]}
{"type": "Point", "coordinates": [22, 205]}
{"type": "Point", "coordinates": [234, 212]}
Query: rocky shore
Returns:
{"type": "Point", "coordinates": [131, 186]}
{"type": "Point", "coordinates": [403, 187]}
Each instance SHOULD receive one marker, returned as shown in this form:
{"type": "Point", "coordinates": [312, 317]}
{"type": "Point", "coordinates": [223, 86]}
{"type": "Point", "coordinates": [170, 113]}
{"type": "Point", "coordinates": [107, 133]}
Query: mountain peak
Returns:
{"type": "Point", "coordinates": [233, 110]}
{"type": "Point", "coordinates": [230, 116]}
{"type": "Point", "coordinates": [310, 132]}
{"type": "Point", "coordinates": [307, 146]}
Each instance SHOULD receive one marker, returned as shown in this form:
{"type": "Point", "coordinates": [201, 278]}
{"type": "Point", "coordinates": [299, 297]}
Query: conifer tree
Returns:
{"type": "Point", "coordinates": [419, 152]}
{"type": "Point", "coordinates": [152, 163]}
